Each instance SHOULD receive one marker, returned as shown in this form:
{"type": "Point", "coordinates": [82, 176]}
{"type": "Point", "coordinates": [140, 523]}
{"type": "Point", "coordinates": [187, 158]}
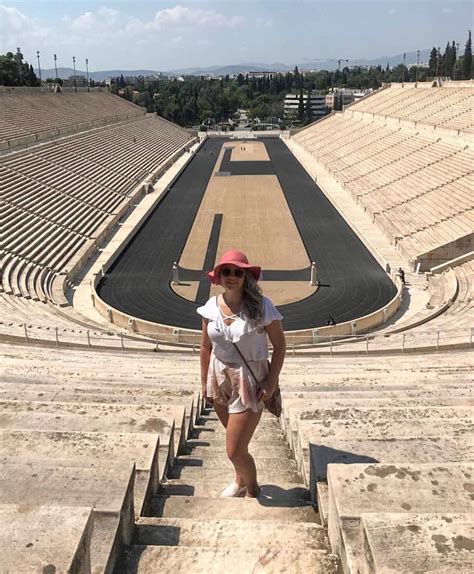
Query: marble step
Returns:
{"type": "Point", "coordinates": [169, 560]}
{"type": "Point", "coordinates": [210, 461]}
{"type": "Point", "coordinates": [226, 474]}
{"type": "Point", "coordinates": [166, 422]}
{"type": "Point", "coordinates": [218, 448]}
{"type": "Point", "coordinates": [244, 508]}
{"type": "Point", "coordinates": [222, 533]}
{"type": "Point", "coordinates": [210, 434]}
{"type": "Point", "coordinates": [108, 489]}
{"type": "Point", "coordinates": [407, 543]}
{"type": "Point", "coordinates": [45, 538]}
{"type": "Point", "coordinates": [80, 449]}
{"type": "Point", "coordinates": [213, 488]}
{"type": "Point", "coordinates": [358, 489]}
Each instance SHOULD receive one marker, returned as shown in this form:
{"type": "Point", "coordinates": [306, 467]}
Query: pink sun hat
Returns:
{"type": "Point", "coordinates": [233, 257]}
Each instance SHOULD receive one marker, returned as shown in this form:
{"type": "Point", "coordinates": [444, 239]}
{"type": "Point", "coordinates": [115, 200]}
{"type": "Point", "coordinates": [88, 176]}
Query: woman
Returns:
{"type": "Point", "coordinates": [244, 317]}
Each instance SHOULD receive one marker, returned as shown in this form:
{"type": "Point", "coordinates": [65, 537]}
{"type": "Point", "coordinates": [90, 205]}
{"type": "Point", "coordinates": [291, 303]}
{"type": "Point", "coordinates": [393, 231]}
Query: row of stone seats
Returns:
{"type": "Point", "coordinates": [24, 310]}
{"type": "Point", "coordinates": [449, 107]}
{"type": "Point", "coordinates": [358, 392]}
{"type": "Point", "coordinates": [386, 451]}
{"type": "Point", "coordinates": [442, 233]}
{"type": "Point", "coordinates": [138, 142]}
{"type": "Point", "coordinates": [24, 278]}
{"type": "Point", "coordinates": [87, 456]}
{"type": "Point", "coordinates": [57, 202]}
{"type": "Point", "coordinates": [35, 112]}
{"type": "Point", "coordinates": [410, 182]}
{"type": "Point", "coordinates": [460, 313]}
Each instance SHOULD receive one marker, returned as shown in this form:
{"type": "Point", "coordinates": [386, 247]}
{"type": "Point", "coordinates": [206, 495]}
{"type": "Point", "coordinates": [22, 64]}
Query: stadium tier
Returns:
{"type": "Point", "coordinates": [416, 182]}
{"type": "Point", "coordinates": [446, 107]}
{"type": "Point", "coordinates": [379, 431]}
{"type": "Point", "coordinates": [31, 116]}
{"type": "Point", "coordinates": [60, 198]}
{"type": "Point", "coordinates": [109, 460]}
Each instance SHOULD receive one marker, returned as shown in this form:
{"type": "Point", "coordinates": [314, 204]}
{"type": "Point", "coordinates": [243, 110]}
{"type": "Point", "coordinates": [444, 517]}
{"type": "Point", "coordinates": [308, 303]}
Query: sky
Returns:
{"type": "Point", "coordinates": [181, 34]}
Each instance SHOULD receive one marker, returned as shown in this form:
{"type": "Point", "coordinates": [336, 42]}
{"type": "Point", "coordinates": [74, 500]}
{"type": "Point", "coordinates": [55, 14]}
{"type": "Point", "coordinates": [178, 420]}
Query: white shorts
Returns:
{"type": "Point", "coordinates": [229, 396]}
{"type": "Point", "coordinates": [233, 385]}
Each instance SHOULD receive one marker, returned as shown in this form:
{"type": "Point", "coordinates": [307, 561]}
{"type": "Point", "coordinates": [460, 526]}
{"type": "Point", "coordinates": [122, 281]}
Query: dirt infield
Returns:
{"type": "Point", "coordinates": [248, 151]}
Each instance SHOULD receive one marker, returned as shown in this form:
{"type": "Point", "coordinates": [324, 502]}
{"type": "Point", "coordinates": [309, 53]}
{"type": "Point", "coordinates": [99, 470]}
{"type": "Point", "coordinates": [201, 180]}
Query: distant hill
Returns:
{"type": "Point", "coordinates": [411, 59]}
{"type": "Point", "coordinates": [309, 64]}
{"type": "Point", "coordinates": [97, 76]}
{"type": "Point", "coordinates": [233, 69]}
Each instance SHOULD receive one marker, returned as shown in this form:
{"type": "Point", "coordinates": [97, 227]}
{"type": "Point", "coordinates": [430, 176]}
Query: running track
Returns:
{"type": "Point", "coordinates": [139, 281]}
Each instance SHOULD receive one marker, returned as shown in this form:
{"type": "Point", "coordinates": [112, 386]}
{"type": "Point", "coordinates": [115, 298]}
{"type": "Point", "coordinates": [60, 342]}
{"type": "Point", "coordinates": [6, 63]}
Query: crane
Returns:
{"type": "Point", "coordinates": [334, 60]}
{"type": "Point", "coordinates": [339, 63]}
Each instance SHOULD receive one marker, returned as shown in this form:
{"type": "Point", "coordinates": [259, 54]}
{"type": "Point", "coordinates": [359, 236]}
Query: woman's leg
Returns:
{"type": "Point", "coordinates": [222, 413]}
{"type": "Point", "coordinates": [240, 429]}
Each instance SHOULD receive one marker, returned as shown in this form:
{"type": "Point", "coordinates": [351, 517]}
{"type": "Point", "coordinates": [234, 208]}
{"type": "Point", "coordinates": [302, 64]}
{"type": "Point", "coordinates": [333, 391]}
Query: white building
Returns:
{"type": "Point", "coordinates": [317, 102]}
{"type": "Point", "coordinates": [75, 81]}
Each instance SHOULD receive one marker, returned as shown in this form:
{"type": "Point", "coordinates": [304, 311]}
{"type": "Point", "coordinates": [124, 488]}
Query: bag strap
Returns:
{"type": "Point", "coordinates": [246, 364]}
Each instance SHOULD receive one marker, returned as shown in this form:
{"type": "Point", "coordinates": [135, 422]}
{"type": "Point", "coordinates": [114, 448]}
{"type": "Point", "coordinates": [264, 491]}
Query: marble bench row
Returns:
{"type": "Point", "coordinates": [101, 451]}
{"type": "Point", "coordinates": [343, 437]}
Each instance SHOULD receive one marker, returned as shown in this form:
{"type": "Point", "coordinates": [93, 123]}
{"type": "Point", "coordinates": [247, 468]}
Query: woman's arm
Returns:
{"type": "Point", "coordinates": [205, 356]}
{"type": "Point", "coordinates": [277, 339]}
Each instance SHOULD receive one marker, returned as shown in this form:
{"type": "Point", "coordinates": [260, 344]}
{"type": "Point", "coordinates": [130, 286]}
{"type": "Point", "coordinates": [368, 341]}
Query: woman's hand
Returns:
{"type": "Point", "coordinates": [205, 397]}
{"type": "Point", "coordinates": [265, 390]}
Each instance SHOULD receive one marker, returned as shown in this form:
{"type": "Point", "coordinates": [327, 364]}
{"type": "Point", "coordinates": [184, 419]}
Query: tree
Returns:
{"type": "Point", "coordinates": [433, 62]}
{"type": "Point", "coordinates": [308, 113]}
{"type": "Point", "coordinates": [467, 59]}
{"type": "Point", "coordinates": [452, 63]}
{"type": "Point", "coordinates": [301, 105]}
{"type": "Point", "coordinates": [15, 72]}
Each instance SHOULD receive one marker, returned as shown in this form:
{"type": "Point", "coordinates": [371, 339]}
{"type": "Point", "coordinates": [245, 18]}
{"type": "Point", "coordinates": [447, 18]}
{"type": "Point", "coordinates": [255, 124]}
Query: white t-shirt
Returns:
{"type": "Point", "coordinates": [251, 340]}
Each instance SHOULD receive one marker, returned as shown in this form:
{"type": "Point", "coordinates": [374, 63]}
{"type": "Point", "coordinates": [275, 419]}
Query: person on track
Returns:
{"type": "Point", "coordinates": [240, 316]}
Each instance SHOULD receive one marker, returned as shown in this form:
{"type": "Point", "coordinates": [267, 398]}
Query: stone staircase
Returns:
{"type": "Point", "coordinates": [190, 528]}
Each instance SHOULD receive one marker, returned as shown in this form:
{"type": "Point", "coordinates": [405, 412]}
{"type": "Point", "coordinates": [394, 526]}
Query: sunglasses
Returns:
{"type": "Point", "coordinates": [227, 272]}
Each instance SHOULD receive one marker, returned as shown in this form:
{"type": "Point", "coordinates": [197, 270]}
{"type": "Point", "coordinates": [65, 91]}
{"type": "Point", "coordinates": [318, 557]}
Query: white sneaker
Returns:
{"type": "Point", "coordinates": [233, 490]}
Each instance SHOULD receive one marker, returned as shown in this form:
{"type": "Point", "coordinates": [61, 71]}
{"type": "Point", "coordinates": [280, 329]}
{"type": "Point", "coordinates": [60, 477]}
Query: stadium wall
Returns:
{"type": "Point", "coordinates": [169, 333]}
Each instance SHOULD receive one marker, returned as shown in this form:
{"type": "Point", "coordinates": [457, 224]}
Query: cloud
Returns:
{"type": "Point", "coordinates": [182, 16]}
{"type": "Point", "coordinates": [90, 22]}
{"type": "Point", "coordinates": [12, 19]}
{"type": "Point", "coordinates": [392, 11]}
{"type": "Point", "coordinates": [447, 10]}
{"type": "Point", "coordinates": [103, 29]}
{"type": "Point", "coordinates": [18, 29]}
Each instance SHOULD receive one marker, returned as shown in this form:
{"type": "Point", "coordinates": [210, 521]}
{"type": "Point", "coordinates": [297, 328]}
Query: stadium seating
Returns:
{"type": "Point", "coordinates": [417, 184]}
{"type": "Point", "coordinates": [447, 107]}
{"type": "Point", "coordinates": [32, 116]}
{"type": "Point", "coordinates": [59, 197]}
{"type": "Point", "coordinates": [392, 439]}
{"type": "Point", "coordinates": [389, 422]}
{"type": "Point", "coordinates": [104, 442]}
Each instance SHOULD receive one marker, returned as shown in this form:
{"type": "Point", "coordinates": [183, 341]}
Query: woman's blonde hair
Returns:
{"type": "Point", "coordinates": [252, 298]}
